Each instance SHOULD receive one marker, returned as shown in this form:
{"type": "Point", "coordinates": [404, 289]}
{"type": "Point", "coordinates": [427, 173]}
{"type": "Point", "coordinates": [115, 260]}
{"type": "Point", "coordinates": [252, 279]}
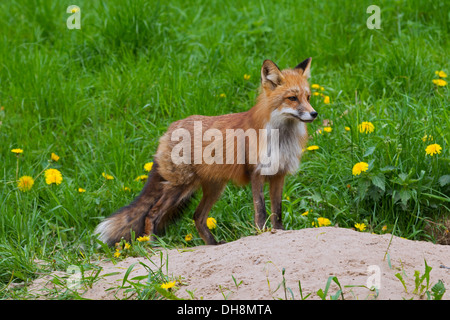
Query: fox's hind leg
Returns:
{"type": "Point", "coordinates": [167, 208]}
{"type": "Point", "coordinates": [150, 227]}
{"type": "Point", "coordinates": [211, 192]}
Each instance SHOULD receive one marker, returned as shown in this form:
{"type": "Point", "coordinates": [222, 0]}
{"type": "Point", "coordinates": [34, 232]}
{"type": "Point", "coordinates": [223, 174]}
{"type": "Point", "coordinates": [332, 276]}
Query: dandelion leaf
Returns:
{"type": "Point", "coordinates": [444, 180]}
{"type": "Point", "coordinates": [379, 181]}
{"type": "Point", "coordinates": [438, 290]}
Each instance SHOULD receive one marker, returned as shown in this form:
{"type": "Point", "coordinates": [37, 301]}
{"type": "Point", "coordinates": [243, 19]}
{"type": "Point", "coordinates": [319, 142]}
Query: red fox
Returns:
{"type": "Point", "coordinates": [181, 168]}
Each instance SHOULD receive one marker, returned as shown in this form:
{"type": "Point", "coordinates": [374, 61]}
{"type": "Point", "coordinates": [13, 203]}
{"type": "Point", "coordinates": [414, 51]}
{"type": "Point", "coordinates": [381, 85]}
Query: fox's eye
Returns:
{"type": "Point", "coordinates": [293, 98]}
{"type": "Point", "coordinates": [309, 97]}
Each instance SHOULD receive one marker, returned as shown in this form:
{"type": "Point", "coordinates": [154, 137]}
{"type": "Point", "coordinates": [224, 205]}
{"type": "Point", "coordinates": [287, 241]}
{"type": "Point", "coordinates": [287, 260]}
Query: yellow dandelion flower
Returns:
{"type": "Point", "coordinates": [310, 148]}
{"type": "Point", "coordinates": [246, 77]}
{"type": "Point", "coordinates": [440, 82]}
{"type": "Point", "coordinates": [25, 183]}
{"type": "Point", "coordinates": [117, 253]}
{"type": "Point", "coordinates": [360, 167]}
{"type": "Point", "coordinates": [326, 99]}
{"type": "Point", "coordinates": [433, 149]}
{"type": "Point", "coordinates": [168, 285]}
{"type": "Point", "coordinates": [366, 127]}
{"type": "Point", "coordinates": [53, 176]}
{"type": "Point", "coordinates": [328, 129]}
{"type": "Point", "coordinates": [127, 246]}
{"type": "Point", "coordinates": [148, 166]}
{"type": "Point", "coordinates": [315, 86]}
{"type": "Point", "coordinates": [17, 151]}
{"type": "Point", "coordinates": [143, 239]}
{"type": "Point", "coordinates": [305, 213]}
{"type": "Point", "coordinates": [126, 189]}
{"type": "Point", "coordinates": [211, 223]}
{"type": "Point", "coordinates": [81, 190]}
{"type": "Point", "coordinates": [142, 177]}
{"type": "Point", "coordinates": [360, 226]}
{"type": "Point", "coordinates": [384, 228]}
{"type": "Point", "coordinates": [322, 222]}
{"type": "Point", "coordinates": [315, 93]}
{"type": "Point", "coordinates": [347, 128]}
{"type": "Point", "coordinates": [107, 176]}
{"type": "Point", "coordinates": [441, 74]}
{"type": "Point", "coordinates": [188, 237]}
{"type": "Point", "coordinates": [222, 95]}
{"type": "Point", "coordinates": [54, 157]}
{"type": "Point", "coordinates": [322, 88]}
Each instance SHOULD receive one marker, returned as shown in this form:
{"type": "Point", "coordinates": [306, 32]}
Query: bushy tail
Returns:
{"type": "Point", "coordinates": [155, 197]}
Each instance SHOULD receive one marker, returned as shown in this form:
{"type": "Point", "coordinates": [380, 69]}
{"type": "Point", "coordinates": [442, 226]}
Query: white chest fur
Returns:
{"type": "Point", "coordinates": [288, 132]}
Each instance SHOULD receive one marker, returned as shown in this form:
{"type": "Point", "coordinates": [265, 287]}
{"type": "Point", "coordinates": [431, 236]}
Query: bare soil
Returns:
{"type": "Point", "coordinates": [310, 256]}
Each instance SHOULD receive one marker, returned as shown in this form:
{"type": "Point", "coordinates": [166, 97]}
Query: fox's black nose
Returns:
{"type": "Point", "coordinates": [313, 114]}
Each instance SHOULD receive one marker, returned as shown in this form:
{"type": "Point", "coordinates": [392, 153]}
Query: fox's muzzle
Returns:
{"type": "Point", "coordinates": [308, 116]}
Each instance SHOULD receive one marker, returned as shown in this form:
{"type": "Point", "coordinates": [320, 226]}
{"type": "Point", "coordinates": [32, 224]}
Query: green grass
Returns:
{"type": "Point", "coordinates": [101, 97]}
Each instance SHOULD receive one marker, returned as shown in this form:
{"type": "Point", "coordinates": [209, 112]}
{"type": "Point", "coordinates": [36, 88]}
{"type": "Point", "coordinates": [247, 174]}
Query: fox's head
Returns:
{"type": "Point", "coordinates": [287, 91]}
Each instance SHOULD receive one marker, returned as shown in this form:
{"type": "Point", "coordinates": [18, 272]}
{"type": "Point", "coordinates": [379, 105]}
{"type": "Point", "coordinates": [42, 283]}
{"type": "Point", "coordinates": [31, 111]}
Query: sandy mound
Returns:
{"type": "Point", "coordinates": [309, 255]}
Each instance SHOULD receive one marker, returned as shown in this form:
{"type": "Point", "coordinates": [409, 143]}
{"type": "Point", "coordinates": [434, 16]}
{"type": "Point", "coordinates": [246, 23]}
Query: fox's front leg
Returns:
{"type": "Point", "coordinates": [257, 182]}
{"type": "Point", "coordinates": [276, 191]}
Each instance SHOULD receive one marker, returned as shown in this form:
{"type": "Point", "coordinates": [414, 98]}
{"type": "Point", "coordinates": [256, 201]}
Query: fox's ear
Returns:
{"type": "Point", "coordinates": [306, 67]}
{"type": "Point", "coordinates": [271, 75]}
